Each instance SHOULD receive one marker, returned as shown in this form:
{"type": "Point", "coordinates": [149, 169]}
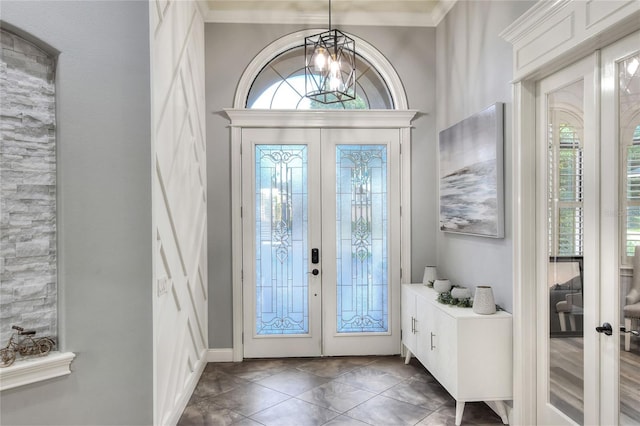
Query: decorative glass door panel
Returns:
{"type": "Point", "coordinates": [361, 201]}
{"type": "Point", "coordinates": [281, 212]}
{"type": "Point", "coordinates": [281, 285]}
{"type": "Point", "coordinates": [321, 222]}
{"type": "Point", "coordinates": [361, 228]}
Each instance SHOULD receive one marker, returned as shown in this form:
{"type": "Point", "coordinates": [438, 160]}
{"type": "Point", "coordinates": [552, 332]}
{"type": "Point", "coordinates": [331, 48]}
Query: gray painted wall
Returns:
{"type": "Point", "coordinates": [474, 69]}
{"type": "Point", "coordinates": [104, 213]}
{"type": "Point", "coordinates": [229, 49]}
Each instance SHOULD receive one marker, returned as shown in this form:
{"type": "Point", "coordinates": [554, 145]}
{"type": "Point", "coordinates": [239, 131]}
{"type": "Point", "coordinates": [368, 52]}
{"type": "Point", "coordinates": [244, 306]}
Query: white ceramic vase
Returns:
{"type": "Point", "coordinates": [461, 293]}
{"type": "Point", "coordinates": [430, 275]}
{"type": "Point", "coordinates": [483, 301]}
{"type": "Point", "coordinates": [442, 286]}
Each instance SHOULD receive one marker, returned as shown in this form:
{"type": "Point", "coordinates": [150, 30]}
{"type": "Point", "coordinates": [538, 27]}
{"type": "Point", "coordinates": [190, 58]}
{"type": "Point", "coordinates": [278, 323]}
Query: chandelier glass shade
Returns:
{"type": "Point", "coordinates": [330, 66]}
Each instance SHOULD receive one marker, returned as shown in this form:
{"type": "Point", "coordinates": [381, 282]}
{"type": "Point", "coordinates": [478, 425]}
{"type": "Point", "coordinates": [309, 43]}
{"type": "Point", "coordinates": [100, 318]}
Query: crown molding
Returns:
{"type": "Point", "coordinates": [319, 18]}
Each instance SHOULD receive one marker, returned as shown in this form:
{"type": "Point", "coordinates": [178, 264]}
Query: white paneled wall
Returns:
{"type": "Point", "coordinates": [179, 204]}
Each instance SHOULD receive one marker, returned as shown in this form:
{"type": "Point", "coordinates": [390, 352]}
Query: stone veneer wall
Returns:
{"type": "Point", "coordinates": [28, 273]}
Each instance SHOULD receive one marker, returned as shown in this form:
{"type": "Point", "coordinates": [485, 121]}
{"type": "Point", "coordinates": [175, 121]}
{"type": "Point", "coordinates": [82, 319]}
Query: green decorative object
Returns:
{"type": "Point", "coordinates": [446, 299]}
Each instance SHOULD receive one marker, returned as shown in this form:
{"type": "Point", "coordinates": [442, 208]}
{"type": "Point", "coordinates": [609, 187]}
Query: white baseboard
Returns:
{"type": "Point", "coordinates": [220, 355]}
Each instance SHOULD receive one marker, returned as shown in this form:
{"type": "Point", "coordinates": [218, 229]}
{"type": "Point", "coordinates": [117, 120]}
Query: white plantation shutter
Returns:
{"type": "Point", "coordinates": [631, 198]}
{"type": "Point", "coordinates": [565, 191]}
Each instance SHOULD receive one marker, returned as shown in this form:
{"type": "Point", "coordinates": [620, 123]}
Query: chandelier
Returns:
{"type": "Point", "coordinates": [330, 66]}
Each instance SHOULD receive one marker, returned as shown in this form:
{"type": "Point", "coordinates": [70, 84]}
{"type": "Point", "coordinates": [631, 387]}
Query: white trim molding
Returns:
{"type": "Point", "coordinates": [289, 14]}
{"type": "Point", "coordinates": [246, 118]}
{"type": "Point", "coordinates": [38, 369]}
{"type": "Point", "coordinates": [220, 355]}
{"type": "Point", "coordinates": [554, 34]}
{"type": "Point", "coordinates": [363, 119]}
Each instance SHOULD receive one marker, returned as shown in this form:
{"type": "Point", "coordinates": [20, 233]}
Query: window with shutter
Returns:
{"type": "Point", "coordinates": [565, 191]}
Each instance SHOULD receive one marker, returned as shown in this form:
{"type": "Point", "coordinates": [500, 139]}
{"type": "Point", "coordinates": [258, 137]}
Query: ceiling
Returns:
{"type": "Point", "coordinates": [420, 13]}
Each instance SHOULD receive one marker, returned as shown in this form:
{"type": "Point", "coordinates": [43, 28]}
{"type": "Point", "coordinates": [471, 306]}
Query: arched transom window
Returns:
{"type": "Point", "coordinates": [281, 83]}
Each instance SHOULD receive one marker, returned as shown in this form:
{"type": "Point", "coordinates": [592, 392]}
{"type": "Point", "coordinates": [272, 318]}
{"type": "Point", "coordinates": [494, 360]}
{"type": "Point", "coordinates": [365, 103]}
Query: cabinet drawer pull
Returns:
{"type": "Point", "coordinates": [413, 325]}
{"type": "Point", "coordinates": [432, 345]}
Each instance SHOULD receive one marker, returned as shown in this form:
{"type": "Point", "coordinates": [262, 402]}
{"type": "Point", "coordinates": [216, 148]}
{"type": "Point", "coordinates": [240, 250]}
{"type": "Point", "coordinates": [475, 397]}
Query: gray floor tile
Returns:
{"type": "Point", "coordinates": [371, 379]}
{"type": "Point", "coordinates": [345, 421]}
{"type": "Point", "coordinates": [386, 411]}
{"type": "Point", "coordinates": [214, 382]}
{"type": "Point", "coordinates": [248, 399]}
{"type": "Point", "coordinates": [395, 365]}
{"type": "Point", "coordinates": [292, 382]}
{"type": "Point", "coordinates": [205, 415]}
{"type": "Point", "coordinates": [336, 396]}
{"type": "Point", "coordinates": [333, 367]}
{"type": "Point", "coordinates": [294, 412]}
{"type": "Point", "coordinates": [418, 392]}
{"type": "Point", "coordinates": [379, 391]}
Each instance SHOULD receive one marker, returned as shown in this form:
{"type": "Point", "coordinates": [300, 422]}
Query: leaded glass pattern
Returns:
{"type": "Point", "coordinates": [362, 247]}
{"type": "Point", "coordinates": [281, 239]}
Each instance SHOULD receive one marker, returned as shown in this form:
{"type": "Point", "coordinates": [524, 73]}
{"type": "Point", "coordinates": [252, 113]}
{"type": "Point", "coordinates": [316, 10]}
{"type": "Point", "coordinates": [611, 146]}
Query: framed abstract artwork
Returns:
{"type": "Point", "coordinates": [471, 175]}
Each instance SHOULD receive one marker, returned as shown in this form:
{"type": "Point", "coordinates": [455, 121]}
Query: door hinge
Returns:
{"type": "Point", "coordinates": [241, 212]}
{"type": "Point", "coordinates": [400, 273]}
{"type": "Point", "coordinates": [242, 338]}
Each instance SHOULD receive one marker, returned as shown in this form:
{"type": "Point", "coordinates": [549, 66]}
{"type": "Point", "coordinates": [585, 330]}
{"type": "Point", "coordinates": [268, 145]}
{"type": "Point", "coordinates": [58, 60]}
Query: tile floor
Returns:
{"type": "Point", "coordinates": [380, 391]}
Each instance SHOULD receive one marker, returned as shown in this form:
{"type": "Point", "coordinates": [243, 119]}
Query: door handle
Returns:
{"type": "Point", "coordinates": [605, 328]}
{"type": "Point", "coordinates": [315, 256]}
{"type": "Point", "coordinates": [633, 332]}
{"type": "Point", "coordinates": [315, 272]}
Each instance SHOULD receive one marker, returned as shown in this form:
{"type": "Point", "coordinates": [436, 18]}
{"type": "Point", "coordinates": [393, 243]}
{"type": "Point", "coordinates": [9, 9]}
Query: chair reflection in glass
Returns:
{"type": "Point", "coordinates": [631, 309]}
{"type": "Point", "coordinates": [565, 295]}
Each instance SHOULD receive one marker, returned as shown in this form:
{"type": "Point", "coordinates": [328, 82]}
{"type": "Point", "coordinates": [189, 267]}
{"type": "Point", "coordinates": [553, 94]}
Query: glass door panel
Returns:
{"type": "Point", "coordinates": [628, 89]}
{"type": "Point", "coordinates": [281, 230]}
{"type": "Point", "coordinates": [361, 228]}
{"type": "Point", "coordinates": [281, 223]}
{"type": "Point", "coordinates": [567, 246]}
{"type": "Point", "coordinates": [566, 234]}
{"type": "Point", "coordinates": [361, 237]}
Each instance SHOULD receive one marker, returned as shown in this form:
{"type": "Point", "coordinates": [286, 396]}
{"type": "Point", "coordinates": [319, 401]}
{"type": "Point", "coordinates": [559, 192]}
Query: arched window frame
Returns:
{"type": "Point", "coordinates": [290, 41]}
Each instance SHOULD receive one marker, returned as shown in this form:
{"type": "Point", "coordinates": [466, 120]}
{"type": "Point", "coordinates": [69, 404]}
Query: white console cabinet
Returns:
{"type": "Point", "coordinates": [469, 354]}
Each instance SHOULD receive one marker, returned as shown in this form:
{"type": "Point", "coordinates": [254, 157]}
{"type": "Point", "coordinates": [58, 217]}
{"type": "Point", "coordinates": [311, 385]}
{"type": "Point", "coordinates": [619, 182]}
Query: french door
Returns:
{"type": "Point", "coordinates": [321, 227]}
{"type": "Point", "coordinates": [585, 223]}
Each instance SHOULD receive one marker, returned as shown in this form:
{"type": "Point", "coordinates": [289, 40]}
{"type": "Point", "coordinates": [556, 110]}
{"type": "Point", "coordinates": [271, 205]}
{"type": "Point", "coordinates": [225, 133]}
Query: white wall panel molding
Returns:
{"type": "Point", "coordinates": [553, 34]}
{"type": "Point", "coordinates": [179, 204]}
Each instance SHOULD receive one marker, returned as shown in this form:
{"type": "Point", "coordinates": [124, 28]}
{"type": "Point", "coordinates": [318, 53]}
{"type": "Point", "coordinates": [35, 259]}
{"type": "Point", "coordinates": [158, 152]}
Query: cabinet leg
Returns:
{"type": "Point", "coordinates": [502, 412]}
{"type": "Point", "coordinates": [459, 411]}
{"type": "Point", "coordinates": [407, 358]}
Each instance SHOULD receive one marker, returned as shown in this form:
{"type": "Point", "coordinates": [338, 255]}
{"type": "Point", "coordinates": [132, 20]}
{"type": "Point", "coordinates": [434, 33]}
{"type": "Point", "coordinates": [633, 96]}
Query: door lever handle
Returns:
{"type": "Point", "coordinates": [605, 328]}
{"type": "Point", "coordinates": [634, 332]}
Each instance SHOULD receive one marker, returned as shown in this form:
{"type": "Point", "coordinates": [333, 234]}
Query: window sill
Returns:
{"type": "Point", "coordinates": [32, 370]}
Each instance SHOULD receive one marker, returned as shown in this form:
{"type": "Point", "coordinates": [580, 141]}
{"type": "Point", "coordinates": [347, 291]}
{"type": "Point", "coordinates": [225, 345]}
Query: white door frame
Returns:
{"type": "Point", "coordinates": [356, 119]}
{"type": "Point", "coordinates": [549, 36]}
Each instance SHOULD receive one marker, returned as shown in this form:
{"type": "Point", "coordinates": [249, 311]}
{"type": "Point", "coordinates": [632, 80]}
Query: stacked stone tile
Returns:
{"type": "Point", "coordinates": [28, 283]}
